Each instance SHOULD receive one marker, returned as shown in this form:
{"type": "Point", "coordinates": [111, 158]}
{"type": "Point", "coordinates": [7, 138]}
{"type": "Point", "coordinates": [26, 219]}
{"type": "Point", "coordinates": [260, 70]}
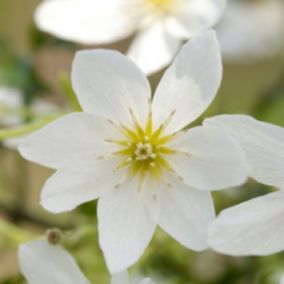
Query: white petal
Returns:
{"type": "Point", "coordinates": [73, 137]}
{"type": "Point", "coordinates": [262, 143]}
{"type": "Point", "coordinates": [43, 263]}
{"type": "Point", "coordinates": [78, 183]}
{"type": "Point", "coordinates": [190, 84]}
{"type": "Point", "coordinates": [86, 21]}
{"type": "Point", "coordinates": [255, 227]}
{"type": "Point", "coordinates": [195, 16]}
{"type": "Point", "coordinates": [282, 280]}
{"type": "Point", "coordinates": [146, 281]}
{"type": "Point", "coordinates": [212, 161]}
{"type": "Point", "coordinates": [108, 84]}
{"type": "Point", "coordinates": [186, 214]}
{"type": "Point", "coordinates": [127, 221]}
{"type": "Point", "coordinates": [153, 48]}
{"type": "Point", "coordinates": [120, 278]}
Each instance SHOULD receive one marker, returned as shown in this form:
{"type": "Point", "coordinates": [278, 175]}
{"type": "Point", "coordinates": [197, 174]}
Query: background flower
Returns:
{"type": "Point", "coordinates": [251, 30]}
{"type": "Point", "coordinates": [160, 25]}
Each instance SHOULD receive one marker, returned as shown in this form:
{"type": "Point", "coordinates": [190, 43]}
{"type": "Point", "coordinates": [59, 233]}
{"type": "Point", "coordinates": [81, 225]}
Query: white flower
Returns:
{"type": "Point", "coordinates": [251, 30]}
{"type": "Point", "coordinates": [255, 227]}
{"type": "Point", "coordinates": [131, 151]}
{"type": "Point", "coordinates": [161, 25]}
{"type": "Point", "coordinates": [43, 263]}
{"type": "Point", "coordinates": [282, 280]}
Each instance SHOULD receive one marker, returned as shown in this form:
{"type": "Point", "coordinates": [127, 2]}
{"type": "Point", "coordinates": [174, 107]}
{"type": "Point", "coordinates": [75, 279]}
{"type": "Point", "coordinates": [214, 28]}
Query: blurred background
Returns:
{"type": "Point", "coordinates": [35, 88]}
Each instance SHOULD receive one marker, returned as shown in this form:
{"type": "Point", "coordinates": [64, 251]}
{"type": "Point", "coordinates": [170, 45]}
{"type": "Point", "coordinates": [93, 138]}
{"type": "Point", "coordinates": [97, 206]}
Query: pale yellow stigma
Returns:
{"type": "Point", "coordinates": [160, 5]}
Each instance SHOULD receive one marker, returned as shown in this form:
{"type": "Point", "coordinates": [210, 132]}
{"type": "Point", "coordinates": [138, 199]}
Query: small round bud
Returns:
{"type": "Point", "coordinates": [53, 236]}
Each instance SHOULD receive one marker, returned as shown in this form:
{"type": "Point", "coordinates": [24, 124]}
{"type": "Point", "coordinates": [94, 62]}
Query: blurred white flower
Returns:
{"type": "Point", "coordinates": [282, 280]}
{"type": "Point", "coordinates": [161, 25]}
{"type": "Point", "coordinates": [10, 100]}
{"type": "Point", "coordinates": [41, 262]}
{"type": "Point", "coordinates": [12, 111]}
{"type": "Point", "coordinates": [251, 30]}
{"type": "Point", "coordinates": [255, 227]}
{"type": "Point", "coordinates": [12, 106]}
{"type": "Point", "coordinates": [132, 151]}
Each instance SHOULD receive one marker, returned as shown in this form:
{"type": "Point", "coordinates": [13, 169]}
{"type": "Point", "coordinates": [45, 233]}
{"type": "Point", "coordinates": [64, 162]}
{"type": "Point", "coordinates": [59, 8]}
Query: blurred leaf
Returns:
{"type": "Point", "coordinates": [18, 73]}
{"type": "Point", "coordinates": [270, 104]}
{"type": "Point", "coordinates": [69, 93]}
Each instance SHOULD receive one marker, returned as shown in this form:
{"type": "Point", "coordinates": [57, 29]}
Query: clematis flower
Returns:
{"type": "Point", "coordinates": [43, 263]}
{"type": "Point", "coordinates": [242, 39]}
{"type": "Point", "coordinates": [255, 227]}
{"type": "Point", "coordinates": [133, 153]}
{"type": "Point", "coordinates": [160, 25]}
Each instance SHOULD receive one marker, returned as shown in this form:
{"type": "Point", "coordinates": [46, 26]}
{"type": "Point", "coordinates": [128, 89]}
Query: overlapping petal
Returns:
{"type": "Point", "coordinates": [43, 263]}
{"type": "Point", "coordinates": [109, 84]}
{"type": "Point", "coordinates": [262, 143]}
{"type": "Point", "coordinates": [186, 214]}
{"type": "Point", "coordinates": [209, 159]}
{"type": "Point", "coordinates": [127, 221]}
{"type": "Point", "coordinates": [255, 227]}
{"type": "Point", "coordinates": [69, 139]}
{"type": "Point", "coordinates": [190, 84]}
{"type": "Point", "coordinates": [153, 48]}
{"type": "Point", "coordinates": [120, 278]}
{"type": "Point", "coordinates": [78, 183]}
{"type": "Point", "coordinates": [86, 21]}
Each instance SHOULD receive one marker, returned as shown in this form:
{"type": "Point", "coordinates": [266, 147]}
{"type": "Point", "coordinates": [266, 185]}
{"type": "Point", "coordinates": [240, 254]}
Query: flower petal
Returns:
{"type": "Point", "coordinates": [127, 221]}
{"type": "Point", "coordinates": [73, 137]}
{"type": "Point", "coordinates": [186, 214]}
{"type": "Point", "coordinates": [190, 84]}
{"type": "Point", "coordinates": [209, 159]}
{"type": "Point", "coordinates": [109, 84]}
{"type": "Point", "coordinates": [255, 227]}
{"type": "Point", "coordinates": [195, 16]}
{"type": "Point", "coordinates": [262, 143]}
{"type": "Point", "coordinates": [120, 278]}
{"type": "Point", "coordinates": [78, 183]}
{"type": "Point", "coordinates": [153, 48]}
{"type": "Point", "coordinates": [86, 21]}
{"type": "Point", "coordinates": [43, 263]}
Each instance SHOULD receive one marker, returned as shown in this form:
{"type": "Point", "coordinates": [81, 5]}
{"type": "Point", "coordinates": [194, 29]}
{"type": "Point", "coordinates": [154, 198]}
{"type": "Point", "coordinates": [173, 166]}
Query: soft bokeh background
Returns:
{"type": "Point", "coordinates": [38, 65]}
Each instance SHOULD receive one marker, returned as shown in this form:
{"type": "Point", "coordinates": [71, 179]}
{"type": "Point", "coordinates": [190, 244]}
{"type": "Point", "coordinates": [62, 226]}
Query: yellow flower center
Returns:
{"type": "Point", "coordinates": [144, 150]}
{"type": "Point", "coordinates": [160, 5]}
